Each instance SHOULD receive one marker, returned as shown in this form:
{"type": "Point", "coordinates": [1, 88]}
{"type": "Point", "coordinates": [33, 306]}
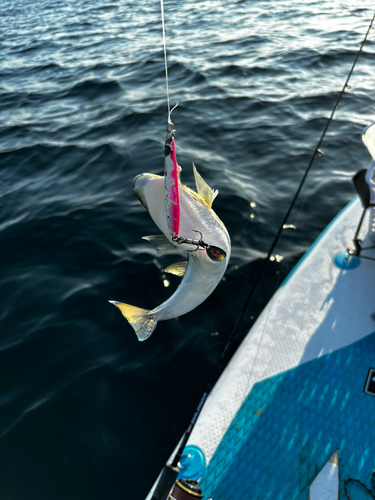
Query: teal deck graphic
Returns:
{"type": "Point", "coordinates": [290, 425]}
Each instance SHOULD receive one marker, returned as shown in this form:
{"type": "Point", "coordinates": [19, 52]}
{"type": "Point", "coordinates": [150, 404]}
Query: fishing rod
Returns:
{"type": "Point", "coordinates": [170, 471]}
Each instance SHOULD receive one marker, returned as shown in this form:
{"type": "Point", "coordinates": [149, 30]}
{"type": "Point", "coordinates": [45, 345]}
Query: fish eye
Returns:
{"type": "Point", "coordinates": [167, 150]}
{"type": "Point", "coordinates": [216, 254]}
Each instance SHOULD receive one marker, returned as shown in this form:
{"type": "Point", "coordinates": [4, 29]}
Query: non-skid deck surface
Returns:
{"type": "Point", "coordinates": [291, 424]}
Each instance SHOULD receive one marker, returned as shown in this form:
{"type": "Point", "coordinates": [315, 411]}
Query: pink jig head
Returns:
{"type": "Point", "coordinates": [171, 182]}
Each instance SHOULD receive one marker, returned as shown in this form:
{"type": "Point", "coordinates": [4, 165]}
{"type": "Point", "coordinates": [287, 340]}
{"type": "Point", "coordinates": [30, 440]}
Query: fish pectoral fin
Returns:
{"type": "Point", "coordinates": [368, 137]}
{"type": "Point", "coordinates": [178, 269]}
{"type": "Point", "coordinates": [142, 321]}
{"type": "Point", "coordinates": [161, 242]}
{"type": "Point", "coordinates": [205, 192]}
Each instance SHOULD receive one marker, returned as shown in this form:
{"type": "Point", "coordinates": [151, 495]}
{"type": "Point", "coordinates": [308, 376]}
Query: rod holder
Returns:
{"type": "Point", "coordinates": [362, 188]}
{"type": "Point", "coordinates": [167, 479]}
{"type": "Point", "coordinates": [364, 193]}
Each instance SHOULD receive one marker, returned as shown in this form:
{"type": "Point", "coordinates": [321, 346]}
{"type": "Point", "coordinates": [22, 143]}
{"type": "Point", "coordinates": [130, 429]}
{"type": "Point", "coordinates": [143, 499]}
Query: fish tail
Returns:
{"type": "Point", "coordinates": [142, 321]}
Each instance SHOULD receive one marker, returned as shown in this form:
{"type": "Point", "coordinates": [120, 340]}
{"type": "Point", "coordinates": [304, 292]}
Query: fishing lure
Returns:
{"type": "Point", "coordinates": [171, 181]}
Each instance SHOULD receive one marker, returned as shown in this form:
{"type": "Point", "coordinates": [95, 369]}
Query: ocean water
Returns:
{"type": "Point", "coordinates": [87, 411]}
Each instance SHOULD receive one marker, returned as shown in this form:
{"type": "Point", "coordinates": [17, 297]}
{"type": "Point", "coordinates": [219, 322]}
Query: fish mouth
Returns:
{"type": "Point", "coordinates": [139, 185]}
{"type": "Point", "coordinates": [137, 189]}
{"type": "Point", "coordinates": [136, 178]}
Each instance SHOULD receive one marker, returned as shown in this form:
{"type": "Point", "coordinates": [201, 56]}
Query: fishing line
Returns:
{"type": "Point", "coordinates": [220, 364]}
{"type": "Point", "coordinates": [165, 58]}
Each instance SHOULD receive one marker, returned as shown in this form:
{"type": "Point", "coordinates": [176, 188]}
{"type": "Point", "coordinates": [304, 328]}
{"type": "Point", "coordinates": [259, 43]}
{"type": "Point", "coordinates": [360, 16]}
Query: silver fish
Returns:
{"type": "Point", "coordinates": [201, 234]}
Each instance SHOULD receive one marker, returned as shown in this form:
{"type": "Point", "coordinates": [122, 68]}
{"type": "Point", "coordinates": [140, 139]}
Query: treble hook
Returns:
{"type": "Point", "coordinates": [196, 231]}
{"type": "Point", "coordinates": [214, 253]}
{"type": "Point", "coordinates": [198, 243]}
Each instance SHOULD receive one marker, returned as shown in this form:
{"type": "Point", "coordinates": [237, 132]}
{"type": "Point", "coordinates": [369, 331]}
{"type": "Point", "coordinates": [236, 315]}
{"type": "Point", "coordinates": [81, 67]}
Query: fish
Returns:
{"type": "Point", "coordinates": [201, 234]}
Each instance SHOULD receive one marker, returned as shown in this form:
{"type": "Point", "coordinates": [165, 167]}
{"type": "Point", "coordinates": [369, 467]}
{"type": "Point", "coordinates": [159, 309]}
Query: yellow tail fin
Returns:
{"type": "Point", "coordinates": [141, 320]}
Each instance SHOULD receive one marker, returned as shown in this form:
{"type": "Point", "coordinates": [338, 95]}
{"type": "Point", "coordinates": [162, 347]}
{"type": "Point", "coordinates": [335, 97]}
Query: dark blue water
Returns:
{"type": "Point", "coordinates": [86, 411]}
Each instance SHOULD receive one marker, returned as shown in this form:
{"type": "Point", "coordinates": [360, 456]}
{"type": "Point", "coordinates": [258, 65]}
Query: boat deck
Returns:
{"type": "Point", "coordinates": [293, 394]}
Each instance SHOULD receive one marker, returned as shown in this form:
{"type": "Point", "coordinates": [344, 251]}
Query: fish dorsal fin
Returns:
{"type": "Point", "coordinates": [161, 242]}
{"type": "Point", "coordinates": [368, 137]}
{"type": "Point", "coordinates": [178, 269]}
{"type": "Point", "coordinates": [204, 191]}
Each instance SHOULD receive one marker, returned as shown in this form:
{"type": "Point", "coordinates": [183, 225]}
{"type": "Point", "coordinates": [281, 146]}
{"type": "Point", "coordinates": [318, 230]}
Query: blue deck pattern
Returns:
{"type": "Point", "coordinates": [307, 413]}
